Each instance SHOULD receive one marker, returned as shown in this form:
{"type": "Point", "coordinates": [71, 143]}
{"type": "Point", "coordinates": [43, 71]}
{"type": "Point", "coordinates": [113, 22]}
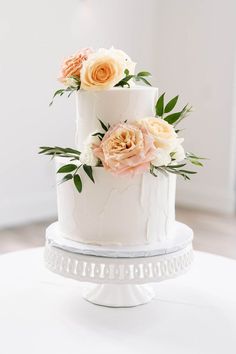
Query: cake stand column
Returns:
{"type": "Point", "coordinates": [118, 295]}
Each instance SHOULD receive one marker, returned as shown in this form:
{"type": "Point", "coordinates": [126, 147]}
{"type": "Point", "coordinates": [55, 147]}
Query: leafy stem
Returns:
{"type": "Point", "coordinates": [178, 169]}
{"type": "Point", "coordinates": [74, 85]}
{"type": "Point", "coordinates": [175, 169]}
{"type": "Point", "coordinates": [141, 76]}
{"type": "Point", "coordinates": [70, 170]}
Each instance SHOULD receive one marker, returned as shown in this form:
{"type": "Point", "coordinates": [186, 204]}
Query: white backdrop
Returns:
{"type": "Point", "coordinates": [187, 46]}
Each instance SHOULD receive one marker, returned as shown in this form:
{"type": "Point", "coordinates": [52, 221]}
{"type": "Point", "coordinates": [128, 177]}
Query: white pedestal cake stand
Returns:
{"type": "Point", "coordinates": [119, 276]}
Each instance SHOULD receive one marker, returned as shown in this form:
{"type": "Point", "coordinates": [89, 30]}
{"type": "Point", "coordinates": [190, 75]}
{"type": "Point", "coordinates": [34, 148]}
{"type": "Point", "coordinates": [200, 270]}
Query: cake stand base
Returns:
{"type": "Point", "coordinates": [113, 295]}
{"type": "Point", "coordinates": [117, 277]}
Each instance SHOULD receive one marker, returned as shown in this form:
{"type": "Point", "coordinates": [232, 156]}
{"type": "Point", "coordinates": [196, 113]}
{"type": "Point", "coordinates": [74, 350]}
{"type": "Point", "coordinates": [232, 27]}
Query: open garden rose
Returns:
{"type": "Point", "coordinates": [126, 149]}
{"type": "Point", "coordinates": [163, 133]}
{"type": "Point", "coordinates": [103, 70]}
{"type": "Point", "coordinates": [72, 66]}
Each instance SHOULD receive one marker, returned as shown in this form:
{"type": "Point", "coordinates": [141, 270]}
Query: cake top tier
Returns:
{"type": "Point", "coordinates": [112, 106]}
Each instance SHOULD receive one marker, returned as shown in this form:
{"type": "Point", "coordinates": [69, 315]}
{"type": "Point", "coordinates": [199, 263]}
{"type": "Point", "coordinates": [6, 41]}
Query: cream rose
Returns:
{"type": "Point", "coordinates": [163, 133]}
{"type": "Point", "coordinates": [126, 149]}
{"type": "Point", "coordinates": [103, 70]}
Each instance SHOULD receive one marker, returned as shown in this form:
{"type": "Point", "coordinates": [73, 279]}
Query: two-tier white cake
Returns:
{"type": "Point", "coordinates": [116, 187]}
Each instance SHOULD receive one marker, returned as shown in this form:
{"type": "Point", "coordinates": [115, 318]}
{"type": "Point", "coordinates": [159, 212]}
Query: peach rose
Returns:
{"type": "Point", "coordinates": [125, 149]}
{"type": "Point", "coordinates": [163, 133]}
{"type": "Point", "coordinates": [72, 66]}
{"type": "Point", "coordinates": [103, 70]}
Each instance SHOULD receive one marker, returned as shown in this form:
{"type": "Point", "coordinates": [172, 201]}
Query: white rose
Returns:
{"type": "Point", "coordinates": [162, 158]}
{"type": "Point", "coordinates": [102, 70]}
{"type": "Point", "coordinates": [92, 140]}
{"type": "Point", "coordinates": [87, 156]}
{"type": "Point", "coordinates": [129, 64]}
{"type": "Point", "coordinates": [179, 154]}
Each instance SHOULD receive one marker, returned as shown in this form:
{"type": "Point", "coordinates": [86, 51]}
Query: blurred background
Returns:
{"type": "Point", "coordinates": [188, 46]}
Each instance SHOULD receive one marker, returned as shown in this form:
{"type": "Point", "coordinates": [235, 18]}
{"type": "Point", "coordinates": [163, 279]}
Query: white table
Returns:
{"type": "Point", "coordinates": [41, 312]}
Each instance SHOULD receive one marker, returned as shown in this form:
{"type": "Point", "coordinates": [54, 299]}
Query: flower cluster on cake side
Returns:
{"type": "Point", "coordinates": [130, 147]}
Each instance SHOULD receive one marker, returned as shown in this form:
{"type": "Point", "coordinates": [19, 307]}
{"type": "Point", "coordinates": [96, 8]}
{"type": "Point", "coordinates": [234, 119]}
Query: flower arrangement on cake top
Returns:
{"type": "Point", "coordinates": [126, 148]}
{"type": "Point", "coordinates": [100, 70]}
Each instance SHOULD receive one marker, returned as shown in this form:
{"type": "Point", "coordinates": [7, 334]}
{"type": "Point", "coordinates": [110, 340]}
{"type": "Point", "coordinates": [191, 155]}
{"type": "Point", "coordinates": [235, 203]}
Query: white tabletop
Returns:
{"type": "Point", "coordinates": [41, 312]}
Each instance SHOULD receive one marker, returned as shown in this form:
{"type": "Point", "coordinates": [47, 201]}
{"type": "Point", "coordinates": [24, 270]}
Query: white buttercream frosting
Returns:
{"type": "Point", "coordinates": [117, 210]}
{"type": "Point", "coordinates": [111, 106]}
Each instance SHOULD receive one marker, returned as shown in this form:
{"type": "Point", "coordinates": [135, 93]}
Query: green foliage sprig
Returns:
{"type": "Point", "coordinates": [76, 83]}
{"type": "Point", "coordinates": [175, 169]}
{"type": "Point", "coordinates": [70, 89]}
{"type": "Point", "coordinates": [104, 127]}
{"type": "Point", "coordinates": [162, 110]}
{"type": "Point", "coordinates": [70, 170]}
{"type": "Point", "coordinates": [179, 168]}
{"type": "Point", "coordinates": [141, 76]}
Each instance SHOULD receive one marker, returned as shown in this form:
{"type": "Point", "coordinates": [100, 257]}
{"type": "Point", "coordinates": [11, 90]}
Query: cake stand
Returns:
{"type": "Point", "coordinates": [119, 276]}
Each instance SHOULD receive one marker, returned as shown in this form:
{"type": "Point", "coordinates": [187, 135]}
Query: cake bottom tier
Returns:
{"type": "Point", "coordinates": [117, 210]}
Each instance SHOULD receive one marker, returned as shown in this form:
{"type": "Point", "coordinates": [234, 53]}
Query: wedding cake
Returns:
{"type": "Point", "coordinates": [119, 181]}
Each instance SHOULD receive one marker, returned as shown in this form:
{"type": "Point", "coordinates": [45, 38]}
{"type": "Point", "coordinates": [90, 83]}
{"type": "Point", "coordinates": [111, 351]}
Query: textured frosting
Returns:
{"type": "Point", "coordinates": [117, 210]}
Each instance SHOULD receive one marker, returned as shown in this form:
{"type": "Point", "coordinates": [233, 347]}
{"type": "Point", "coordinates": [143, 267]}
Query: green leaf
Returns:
{"type": "Point", "coordinates": [70, 93]}
{"type": "Point", "coordinates": [172, 118]}
{"type": "Point", "coordinates": [196, 162]}
{"type": "Point", "coordinates": [89, 171]}
{"type": "Point", "coordinates": [153, 173]}
{"type": "Point", "coordinates": [126, 72]}
{"type": "Point", "coordinates": [104, 127]}
{"type": "Point", "coordinates": [100, 135]}
{"type": "Point", "coordinates": [192, 155]}
{"type": "Point", "coordinates": [59, 92]}
{"type": "Point", "coordinates": [72, 151]}
{"type": "Point", "coordinates": [171, 104]}
{"type": "Point", "coordinates": [144, 73]}
{"type": "Point", "coordinates": [66, 178]}
{"type": "Point", "coordinates": [189, 172]}
{"type": "Point", "coordinates": [177, 166]}
{"type": "Point", "coordinates": [67, 168]}
{"type": "Point", "coordinates": [185, 177]}
{"type": "Point", "coordinates": [160, 105]}
{"type": "Point", "coordinates": [127, 78]}
{"type": "Point", "coordinates": [152, 170]}
{"type": "Point", "coordinates": [144, 80]}
{"type": "Point", "coordinates": [78, 183]}
{"type": "Point", "coordinates": [162, 170]}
